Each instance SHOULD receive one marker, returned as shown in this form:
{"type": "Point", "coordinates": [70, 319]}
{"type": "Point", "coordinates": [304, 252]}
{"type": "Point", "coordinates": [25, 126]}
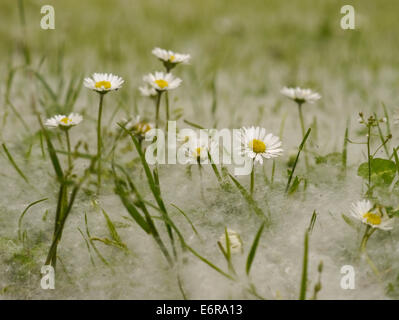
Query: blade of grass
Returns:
{"type": "Point", "coordinates": [254, 247]}
{"type": "Point", "coordinates": [345, 147]}
{"type": "Point", "coordinates": [304, 279]}
{"type": "Point", "coordinates": [14, 164]}
{"type": "Point", "coordinates": [296, 159]}
{"type": "Point", "coordinates": [23, 214]}
{"type": "Point", "coordinates": [312, 222]}
{"type": "Point", "coordinates": [188, 219]}
{"type": "Point", "coordinates": [253, 205]}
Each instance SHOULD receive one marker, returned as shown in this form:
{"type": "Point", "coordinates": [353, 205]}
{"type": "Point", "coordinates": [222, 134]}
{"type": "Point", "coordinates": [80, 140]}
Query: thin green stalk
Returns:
{"type": "Point", "coordinates": [345, 148]}
{"type": "Point", "coordinates": [369, 159]}
{"type": "Point", "coordinates": [367, 234]}
{"type": "Point", "coordinates": [99, 142]}
{"type": "Point", "coordinates": [302, 294]}
{"type": "Point", "coordinates": [303, 131]}
{"type": "Point", "coordinates": [167, 109]}
{"type": "Point", "coordinates": [252, 178]}
{"type": "Point", "coordinates": [158, 102]}
{"type": "Point", "coordinates": [69, 149]}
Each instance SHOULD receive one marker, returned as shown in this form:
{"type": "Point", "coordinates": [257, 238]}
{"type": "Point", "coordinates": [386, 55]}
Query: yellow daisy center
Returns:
{"type": "Point", "coordinates": [142, 127]}
{"type": "Point", "coordinates": [172, 58]}
{"type": "Point", "coordinates": [66, 120]}
{"type": "Point", "coordinates": [161, 83]}
{"type": "Point", "coordinates": [372, 218]}
{"type": "Point", "coordinates": [103, 84]}
{"type": "Point", "coordinates": [198, 151]}
{"type": "Point", "coordinates": [257, 146]}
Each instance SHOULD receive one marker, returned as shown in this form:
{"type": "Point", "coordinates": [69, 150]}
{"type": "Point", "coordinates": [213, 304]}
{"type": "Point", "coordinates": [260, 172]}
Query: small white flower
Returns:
{"type": "Point", "coordinates": [161, 81]}
{"type": "Point", "coordinates": [234, 239]}
{"type": "Point", "coordinates": [170, 56]}
{"type": "Point", "coordinates": [147, 91]}
{"type": "Point", "coordinates": [257, 144]}
{"type": "Point", "coordinates": [196, 150]}
{"type": "Point", "coordinates": [63, 121]}
{"type": "Point", "coordinates": [103, 82]}
{"type": "Point", "coordinates": [366, 213]}
{"type": "Point", "coordinates": [301, 95]}
{"type": "Point", "coordinates": [139, 127]}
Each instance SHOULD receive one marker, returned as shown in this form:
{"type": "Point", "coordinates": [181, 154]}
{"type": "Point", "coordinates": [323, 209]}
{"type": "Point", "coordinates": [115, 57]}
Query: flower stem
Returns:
{"type": "Point", "coordinates": [369, 161]}
{"type": "Point", "coordinates": [157, 109]}
{"type": "Point", "coordinates": [369, 231]}
{"type": "Point", "coordinates": [99, 142]}
{"type": "Point", "coordinates": [252, 178]}
{"type": "Point", "coordinates": [167, 110]}
{"type": "Point", "coordinates": [69, 150]}
{"type": "Point", "coordinates": [303, 132]}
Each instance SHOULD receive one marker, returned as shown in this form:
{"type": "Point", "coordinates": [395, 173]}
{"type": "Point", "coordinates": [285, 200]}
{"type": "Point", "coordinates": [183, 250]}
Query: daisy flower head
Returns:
{"type": "Point", "coordinates": [234, 240]}
{"type": "Point", "coordinates": [103, 82]}
{"type": "Point", "coordinates": [139, 127]}
{"type": "Point", "coordinates": [301, 95]}
{"type": "Point", "coordinates": [366, 212]}
{"type": "Point", "coordinates": [255, 143]}
{"type": "Point", "coordinates": [147, 91]}
{"type": "Point", "coordinates": [169, 58]}
{"type": "Point", "coordinates": [196, 150]}
{"type": "Point", "coordinates": [64, 122]}
{"type": "Point", "coordinates": [161, 81]}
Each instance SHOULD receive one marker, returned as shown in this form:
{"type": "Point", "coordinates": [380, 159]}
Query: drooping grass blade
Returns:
{"type": "Point", "coordinates": [14, 164]}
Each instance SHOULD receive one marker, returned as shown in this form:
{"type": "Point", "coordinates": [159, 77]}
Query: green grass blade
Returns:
{"type": "Point", "coordinates": [14, 164]}
{"type": "Point", "coordinates": [194, 125]}
{"type": "Point", "coordinates": [312, 221]}
{"type": "Point", "coordinates": [250, 200]}
{"type": "Point", "coordinates": [23, 214]}
{"type": "Point", "coordinates": [296, 159]}
{"type": "Point", "coordinates": [345, 148]}
{"type": "Point", "coordinates": [53, 155]}
{"type": "Point", "coordinates": [188, 219]}
{"type": "Point", "coordinates": [111, 227]}
{"type": "Point", "coordinates": [254, 247]}
{"type": "Point", "coordinates": [304, 279]}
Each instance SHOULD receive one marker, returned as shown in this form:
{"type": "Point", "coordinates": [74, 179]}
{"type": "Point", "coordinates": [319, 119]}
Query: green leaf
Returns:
{"type": "Point", "coordinates": [382, 171]}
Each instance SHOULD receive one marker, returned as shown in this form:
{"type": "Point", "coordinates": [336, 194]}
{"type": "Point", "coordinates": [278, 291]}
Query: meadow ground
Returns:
{"type": "Point", "coordinates": [242, 55]}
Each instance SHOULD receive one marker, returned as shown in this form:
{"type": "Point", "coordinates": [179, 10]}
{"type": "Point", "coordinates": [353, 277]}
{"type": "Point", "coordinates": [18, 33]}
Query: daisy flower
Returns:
{"type": "Point", "coordinates": [257, 144]}
{"type": "Point", "coordinates": [64, 122]}
{"type": "Point", "coordinates": [170, 58]}
{"type": "Point", "coordinates": [139, 127]}
{"type": "Point", "coordinates": [103, 82]}
{"type": "Point", "coordinates": [301, 95]}
{"type": "Point", "coordinates": [161, 81]}
{"type": "Point", "coordinates": [234, 239]}
{"type": "Point", "coordinates": [196, 150]}
{"type": "Point", "coordinates": [147, 91]}
{"type": "Point", "coordinates": [366, 213]}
